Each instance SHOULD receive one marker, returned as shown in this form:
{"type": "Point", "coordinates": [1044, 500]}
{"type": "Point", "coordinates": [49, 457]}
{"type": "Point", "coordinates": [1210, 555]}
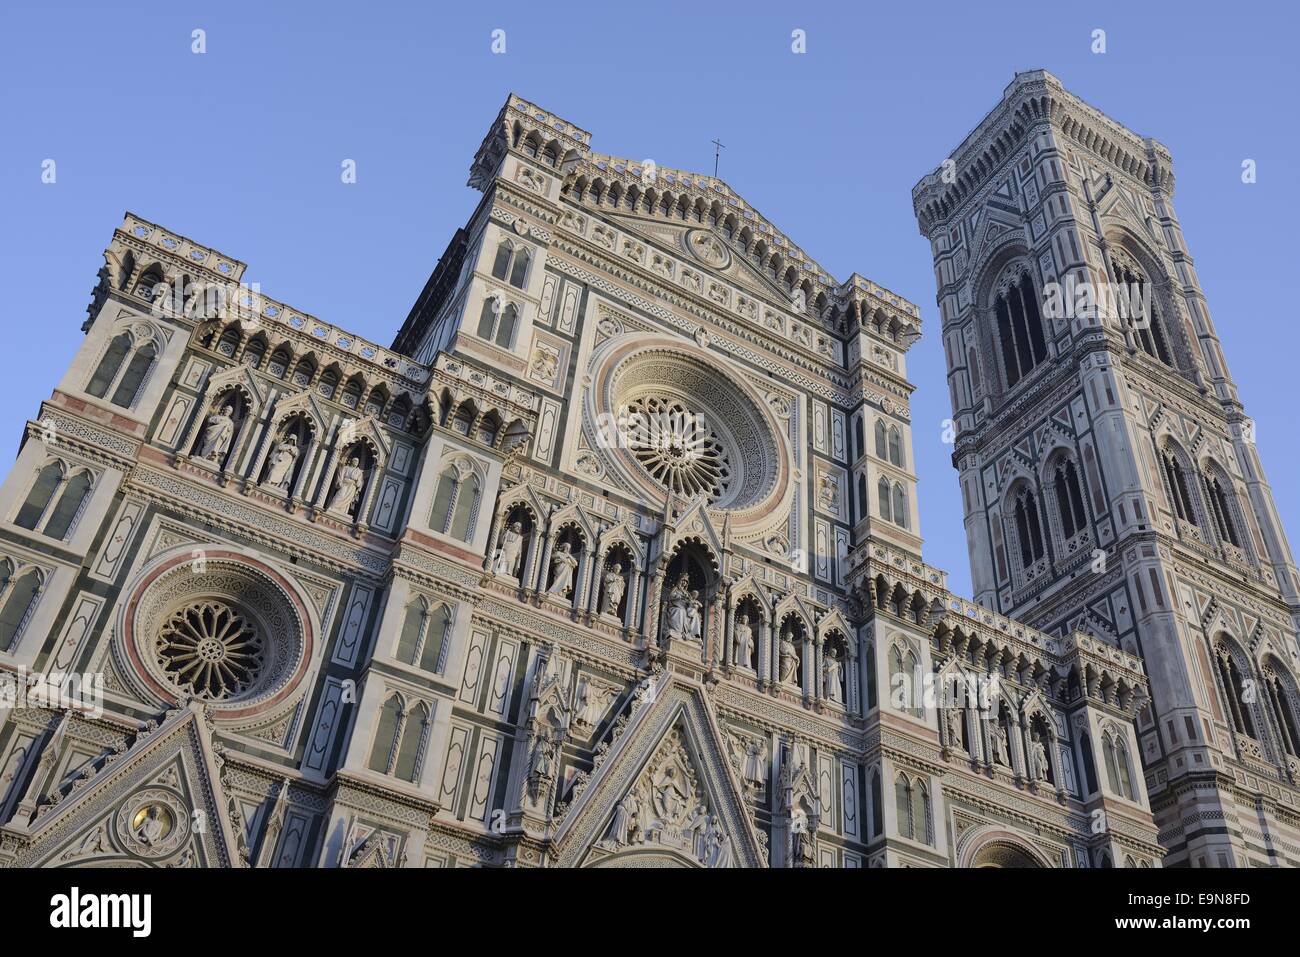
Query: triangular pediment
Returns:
{"type": "Point", "coordinates": [672, 240]}
{"type": "Point", "coordinates": [157, 804]}
{"type": "Point", "coordinates": [665, 794]}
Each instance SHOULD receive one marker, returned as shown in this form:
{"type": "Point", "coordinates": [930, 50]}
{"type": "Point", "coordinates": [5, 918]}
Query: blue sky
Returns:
{"type": "Point", "coordinates": [240, 149]}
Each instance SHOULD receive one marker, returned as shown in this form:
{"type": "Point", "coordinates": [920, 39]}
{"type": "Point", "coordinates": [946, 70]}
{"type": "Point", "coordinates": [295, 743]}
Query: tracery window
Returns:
{"type": "Point", "coordinates": [1119, 773]}
{"type": "Point", "coordinates": [1135, 293]}
{"type": "Point", "coordinates": [211, 649]}
{"type": "Point", "coordinates": [912, 801]}
{"type": "Point", "coordinates": [400, 739]}
{"type": "Point", "coordinates": [55, 500]}
{"type": "Point", "coordinates": [424, 630]}
{"type": "Point", "coordinates": [456, 503]}
{"type": "Point", "coordinates": [496, 322]}
{"type": "Point", "coordinates": [1069, 498]}
{"type": "Point", "coordinates": [1281, 696]}
{"type": "Point", "coordinates": [1029, 529]}
{"type": "Point", "coordinates": [1180, 495]}
{"type": "Point", "coordinates": [511, 264]}
{"type": "Point", "coordinates": [1217, 501]}
{"type": "Point", "coordinates": [123, 368]}
{"type": "Point", "coordinates": [881, 440]}
{"type": "Point", "coordinates": [19, 591]}
{"type": "Point", "coordinates": [1020, 329]}
{"type": "Point", "coordinates": [1230, 674]}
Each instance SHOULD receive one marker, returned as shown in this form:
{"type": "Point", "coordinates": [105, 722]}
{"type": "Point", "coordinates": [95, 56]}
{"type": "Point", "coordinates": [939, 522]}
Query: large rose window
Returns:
{"type": "Point", "coordinates": [211, 649]}
{"type": "Point", "coordinates": [678, 447]}
{"type": "Point", "coordinates": [686, 426]}
{"type": "Point", "coordinates": [219, 625]}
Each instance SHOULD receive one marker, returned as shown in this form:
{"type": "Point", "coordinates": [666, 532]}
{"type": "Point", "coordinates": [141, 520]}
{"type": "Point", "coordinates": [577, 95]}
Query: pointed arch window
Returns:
{"type": "Point", "coordinates": [1119, 774]}
{"type": "Point", "coordinates": [1069, 498]}
{"type": "Point", "coordinates": [903, 806]}
{"type": "Point", "coordinates": [55, 500]}
{"type": "Point", "coordinates": [1220, 510]}
{"type": "Point", "coordinates": [399, 739]}
{"type": "Point", "coordinates": [895, 446]}
{"type": "Point", "coordinates": [1137, 304]}
{"type": "Point", "coordinates": [877, 807]}
{"type": "Point", "coordinates": [1020, 329]}
{"type": "Point", "coordinates": [123, 369]}
{"type": "Point", "coordinates": [497, 322]}
{"type": "Point", "coordinates": [456, 504]}
{"type": "Point", "coordinates": [18, 594]}
{"type": "Point", "coordinates": [1029, 530]}
{"type": "Point", "coordinates": [1283, 702]}
{"type": "Point", "coordinates": [883, 500]}
{"type": "Point", "coordinates": [1176, 480]}
{"type": "Point", "coordinates": [882, 440]}
{"type": "Point", "coordinates": [511, 264]}
{"type": "Point", "coordinates": [1235, 690]}
{"type": "Point", "coordinates": [900, 506]}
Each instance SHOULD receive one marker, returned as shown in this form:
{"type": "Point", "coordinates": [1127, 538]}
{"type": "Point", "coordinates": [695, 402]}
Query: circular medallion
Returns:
{"type": "Point", "coordinates": [152, 823]}
{"type": "Point", "coordinates": [705, 246]}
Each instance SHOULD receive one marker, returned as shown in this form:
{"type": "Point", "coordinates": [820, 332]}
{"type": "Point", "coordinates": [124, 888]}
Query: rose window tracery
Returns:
{"type": "Point", "coordinates": [211, 649]}
{"type": "Point", "coordinates": [678, 447]}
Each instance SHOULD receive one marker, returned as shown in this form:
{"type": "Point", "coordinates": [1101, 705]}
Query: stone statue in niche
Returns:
{"type": "Point", "coordinates": [563, 562]}
{"type": "Point", "coordinates": [694, 619]}
{"type": "Point", "coordinates": [510, 551]}
{"type": "Point", "coordinates": [953, 718]}
{"type": "Point", "coordinates": [1040, 759]}
{"type": "Point", "coordinates": [1001, 747]}
{"type": "Point", "coordinates": [679, 599]}
{"type": "Point", "coordinates": [283, 457]}
{"type": "Point", "coordinates": [350, 479]}
{"type": "Point", "coordinates": [615, 585]}
{"type": "Point", "coordinates": [744, 641]}
{"type": "Point", "coordinates": [217, 433]}
{"type": "Point", "coordinates": [789, 658]}
{"type": "Point", "coordinates": [832, 673]}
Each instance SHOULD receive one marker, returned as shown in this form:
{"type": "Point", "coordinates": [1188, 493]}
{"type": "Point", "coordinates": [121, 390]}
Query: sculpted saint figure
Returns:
{"type": "Point", "coordinates": [615, 585]}
{"type": "Point", "coordinates": [283, 457]}
{"type": "Point", "coordinates": [150, 830]}
{"type": "Point", "coordinates": [744, 635]}
{"type": "Point", "coordinates": [349, 487]}
{"type": "Point", "coordinates": [563, 562]}
{"type": "Point", "coordinates": [623, 829]}
{"type": "Point", "coordinates": [831, 670]}
{"type": "Point", "coordinates": [509, 551]}
{"type": "Point", "coordinates": [1040, 759]}
{"type": "Point", "coordinates": [789, 658]}
{"type": "Point", "coordinates": [678, 603]}
{"type": "Point", "coordinates": [217, 433]}
{"type": "Point", "coordinates": [693, 620]}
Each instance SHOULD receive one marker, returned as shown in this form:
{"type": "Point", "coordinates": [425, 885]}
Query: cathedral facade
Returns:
{"type": "Point", "coordinates": [613, 557]}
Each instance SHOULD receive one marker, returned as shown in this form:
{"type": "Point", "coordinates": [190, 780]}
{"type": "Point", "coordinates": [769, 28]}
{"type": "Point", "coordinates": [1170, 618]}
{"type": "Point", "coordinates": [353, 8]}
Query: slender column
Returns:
{"type": "Point", "coordinates": [582, 578]}
{"type": "Point", "coordinates": [634, 586]}
{"type": "Point", "coordinates": [852, 688]}
{"type": "Point", "coordinates": [729, 641]}
{"type": "Point", "coordinates": [819, 685]}
{"type": "Point", "coordinates": [763, 635]}
{"type": "Point", "coordinates": [652, 606]}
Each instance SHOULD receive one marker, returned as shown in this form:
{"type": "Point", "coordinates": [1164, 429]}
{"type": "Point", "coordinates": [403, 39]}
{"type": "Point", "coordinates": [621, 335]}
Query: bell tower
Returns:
{"type": "Point", "coordinates": [1109, 473]}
